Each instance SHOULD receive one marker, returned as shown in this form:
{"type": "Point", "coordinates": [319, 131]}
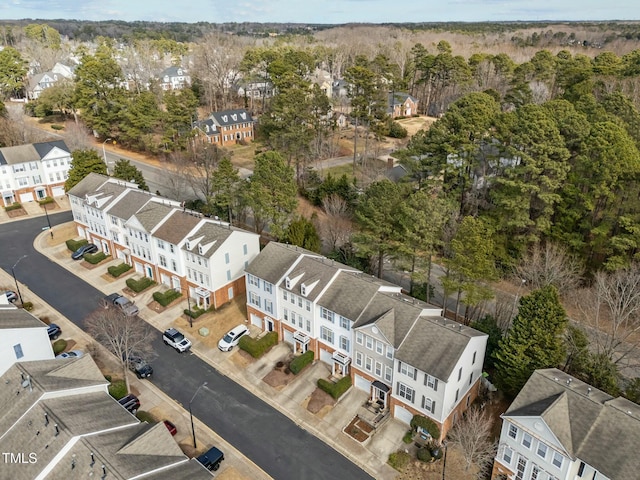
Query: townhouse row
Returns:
{"type": "Point", "coordinates": [202, 258]}
{"type": "Point", "coordinates": [403, 352]}
{"type": "Point", "coordinates": [34, 171]}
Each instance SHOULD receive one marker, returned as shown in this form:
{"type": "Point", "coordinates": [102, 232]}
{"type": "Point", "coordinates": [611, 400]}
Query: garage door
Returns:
{"type": "Point", "coordinates": [26, 197]}
{"type": "Point", "coordinates": [403, 414]}
{"type": "Point", "coordinates": [288, 337]}
{"type": "Point", "coordinates": [256, 320]}
{"type": "Point", "coordinates": [325, 356]}
{"type": "Point", "coordinates": [362, 383]}
{"type": "Point", "coordinates": [58, 191]}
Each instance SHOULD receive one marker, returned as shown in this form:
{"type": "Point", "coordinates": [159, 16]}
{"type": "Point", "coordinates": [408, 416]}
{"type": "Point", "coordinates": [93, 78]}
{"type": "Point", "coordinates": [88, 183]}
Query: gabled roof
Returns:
{"type": "Point", "coordinates": [435, 345]}
{"type": "Point", "coordinates": [29, 153]}
{"type": "Point", "coordinates": [212, 236]}
{"type": "Point", "coordinates": [398, 98]}
{"type": "Point", "coordinates": [231, 117]}
{"type": "Point", "coordinates": [125, 206]}
{"type": "Point", "coordinates": [349, 294]}
{"type": "Point", "coordinates": [151, 214]}
{"type": "Point", "coordinates": [176, 227]}
{"type": "Point", "coordinates": [173, 72]}
{"type": "Point", "coordinates": [315, 273]}
{"type": "Point", "coordinates": [89, 184]}
{"type": "Point", "coordinates": [274, 261]}
{"type": "Point", "coordinates": [13, 317]}
{"type": "Point", "coordinates": [585, 420]}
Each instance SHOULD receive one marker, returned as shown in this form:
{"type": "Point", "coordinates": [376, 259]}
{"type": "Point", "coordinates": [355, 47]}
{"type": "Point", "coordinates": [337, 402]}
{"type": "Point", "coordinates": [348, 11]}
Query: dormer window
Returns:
{"type": "Point", "coordinates": [225, 119]}
{"type": "Point", "coordinates": [303, 290]}
{"type": "Point", "coordinates": [243, 116]}
{"type": "Point", "coordinates": [234, 117]}
{"type": "Point", "coordinates": [287, 283]}
{"type": "Point", "coordinates": [188, 245]}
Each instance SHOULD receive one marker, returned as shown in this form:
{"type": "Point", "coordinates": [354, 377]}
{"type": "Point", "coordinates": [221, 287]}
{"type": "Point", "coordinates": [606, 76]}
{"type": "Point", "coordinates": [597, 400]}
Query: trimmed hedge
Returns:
{"type": "Point", "coordinates": [336, 390]}
{"type": "Point", "coordinates": [426, 423]}
{"type": "Point", "coordinates": [424, 455]}
{"type": "Point", "coordinates": [298, 363]}
{"type": "Point", "coordinates": [139, 284]}
{"type": "Point", "coordinates": [195, 313]}
{"type": "Point", "coordinates": [165, 298]}
{"type": "Point", "coordinates": [56, 126]}
{"type": "Point", "coordinates": [59, 346]}
{"type": "Point", "coordinates": [118, 389]}
{"type": "Point", "coordinates": [28, 306]}
{"type": "Point", "coordinates": [73, 244]}
{"type": "Point", "coordinates": [45, 201]}
{"type": "Point", "coordinates": [399, 460]}
{"type": "Point", "coordinates": [117, 270]}
{"type": "Point", "coordinates": [13, 206]}
{"type": "Point", "coordinates": [94, 258]}
{"type": "Point", "coordinates": [144, 416]}
{"type": "Point", "coordinates": [257, 348]}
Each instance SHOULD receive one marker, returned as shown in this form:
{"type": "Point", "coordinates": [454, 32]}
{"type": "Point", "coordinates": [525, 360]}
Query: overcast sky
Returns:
{"type": "Point", "coordinates": [321, 11]}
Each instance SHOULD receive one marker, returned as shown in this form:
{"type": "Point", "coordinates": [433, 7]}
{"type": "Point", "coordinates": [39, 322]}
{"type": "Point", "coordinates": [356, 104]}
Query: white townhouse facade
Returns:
{"type": "Point", "coordinates": [402, 351]}
{"type": "Point", "coordinates": [174, 78]}
{"type": "Point", "coordinates": [180, 249]}
{"type": "Point", "coordinates": [23, 337]}
{"type": "Point", "coordinates": [560, 428]}
{"type": "Point", "coordinates": [34, 171]}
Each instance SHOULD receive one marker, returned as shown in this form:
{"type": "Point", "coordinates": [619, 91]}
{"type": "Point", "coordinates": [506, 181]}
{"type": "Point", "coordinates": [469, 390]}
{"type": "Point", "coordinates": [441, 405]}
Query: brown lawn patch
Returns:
{"type": "Point", "coordinates": [319, 401]}
{"type": "Point", "coordinates": [417, 470]}
{"type": "Point", "coordinates": [231, 473]}
{"type": "Point", "coordinates": [355, 431]}
{"type": "Point", "coordinates": [278, 378]}
{"type": "Point", "coordinates": [18, 212]}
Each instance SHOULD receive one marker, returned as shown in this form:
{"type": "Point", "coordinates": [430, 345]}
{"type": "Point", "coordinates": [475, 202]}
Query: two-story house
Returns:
{"type": "Point", "coordinates": [225, 128]}
{"type": "Point", "coordinates": [33, 172]}
{"type": "Point", "coordinates": [560, 428]}
{"type": "Point", "coordinates": [174, 78]}
{"type": "Point", "coordinates": [400, 350]}
{"type": "Point", "coordinates": [402, 105]}
{"type": "Point", "coordinates": [201, 257]}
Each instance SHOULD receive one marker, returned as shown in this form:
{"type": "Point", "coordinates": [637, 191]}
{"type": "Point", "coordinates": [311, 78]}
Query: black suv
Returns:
{"type": "Point", "coordinates": [140, 367]}
{"type": "Point", "coordinates": [211, 459]}
{"type": "Point", "coordinates": [131, 403]}
{"type": "Point", "coordinates": [54, 331]}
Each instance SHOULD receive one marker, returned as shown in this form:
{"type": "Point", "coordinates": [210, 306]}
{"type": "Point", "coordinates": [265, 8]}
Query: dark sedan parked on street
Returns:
{"type": "Point", "coordinates": [88, 248]}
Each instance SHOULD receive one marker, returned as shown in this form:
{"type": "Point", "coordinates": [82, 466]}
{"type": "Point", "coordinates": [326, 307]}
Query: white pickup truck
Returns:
{"type": "Point", "coordinates": [122, 302]}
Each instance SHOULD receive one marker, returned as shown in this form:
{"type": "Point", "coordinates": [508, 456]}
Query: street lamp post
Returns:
{"type": "Point", "coordinates": [16, 280]}
{"type": "Point", "coordinates": [193, 430]}
{"type": "Point", "coordinates": [48, 221]}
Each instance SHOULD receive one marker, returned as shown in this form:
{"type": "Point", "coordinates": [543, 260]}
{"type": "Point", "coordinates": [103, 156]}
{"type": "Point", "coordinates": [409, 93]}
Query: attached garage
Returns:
{"type": "Point", "coordinates": [402, 414]}
{"type": "Point", "coordinates": [58, 191]}
{"type": "Point", "coordinates": [326, 357]}
{"type": "Point", "coordinates": [256, 320]}
{"type": "Point", "coordinates": [362, 383]}
{"type": "Point", "coordinates": [288, 337]}
{"type": "Point", "coordinates": [26, 197]}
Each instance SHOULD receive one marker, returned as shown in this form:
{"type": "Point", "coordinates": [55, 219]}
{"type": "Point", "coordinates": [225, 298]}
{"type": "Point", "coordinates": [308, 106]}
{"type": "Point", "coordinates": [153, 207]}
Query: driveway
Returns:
{"type": "Point", "coordinates": [270, 439]}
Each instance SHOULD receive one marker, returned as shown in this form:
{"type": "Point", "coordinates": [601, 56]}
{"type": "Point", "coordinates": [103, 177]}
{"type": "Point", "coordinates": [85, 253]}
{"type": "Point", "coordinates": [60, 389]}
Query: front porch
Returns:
{"type": "Point", "coordinates": [375, 410]}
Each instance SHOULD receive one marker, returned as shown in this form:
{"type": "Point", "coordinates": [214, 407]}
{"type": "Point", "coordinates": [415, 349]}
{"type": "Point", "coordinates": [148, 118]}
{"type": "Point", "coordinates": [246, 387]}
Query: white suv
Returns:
{"type": "Point", "coordinates": [176, 339]}
{"type": "Point", "coordinates": [232, 338]}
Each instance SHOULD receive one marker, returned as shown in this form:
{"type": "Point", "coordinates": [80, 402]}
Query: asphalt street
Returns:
{"type": "Point", "coordinates": [274, 442]}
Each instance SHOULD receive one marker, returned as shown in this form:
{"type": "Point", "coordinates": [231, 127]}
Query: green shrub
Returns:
{"type": "Point", "coordinates": [336, 390]}
{"type": "Point", "coordinates": [74, 245]}
{"type": "Point", "coordinates": [59, 346]}
{"type": "Point", "coordinates": [55, 126]}
{"type": "Point", "coordinates": [399, 460]}
{"type": "Point", "coordinates": [118, 389]}
{"type": "Point", "coordinates": [397, 131]}
{"type": "Point", "coordinates": [408, 437]}
{"type": "Point", "coordinates": [257, 348]}
{"type": "Point", "coordinates": [426, 423]}
{"type": "Point", "coordinates": [146, 417]}
{"type": "Point", "coordinates": [94, 258]}
{"type": "Point", "coordinates": [28, 306]}
{"type": "Point", "coordinates": [165, 298]}
{"type": "Point", "coordinates": [45, 201]}
{"type": "Point", "coordinates": [195, 313]}
{"type": "Point", "coordinates": [424, 455]}
{"type": "Point", "coordinates": [298, 363]}
{"type": "Point", "coordinates": [117, 270]}
{"type": "Point", "coordinates": [139, 284]}
{"type": "Point", "coordinates": [13, 206]}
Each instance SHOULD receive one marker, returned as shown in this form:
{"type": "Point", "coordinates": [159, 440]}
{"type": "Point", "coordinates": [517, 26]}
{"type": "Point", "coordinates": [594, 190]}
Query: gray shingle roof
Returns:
{"type": "Point", "coordinates": [176, 227]}
{"type": "Point", "coordinates": [231, 117]}
{"type": "Point", "coordinates": [316, 272]}
{"type": "Point", "coordinates": [349, 294]}
{"type": "Point", "coordinates": [209, 233]}
{"type": "Point", "coordinates": [29, 153]}
{"type": "Point", "coordinates": [591, 425]}
{"type": "Point", "coordinates": [435, 345]}
{"type": "Point", "coordinates": [89, 184]}
{"type": "Point", "coordinates": [13, 317]}
{"type": "Point", "coordinates": [151, 214]}
{"type": "Point", "coordinates": [274, 260]}
{"type": "Point", "coordinates": [125, 206]}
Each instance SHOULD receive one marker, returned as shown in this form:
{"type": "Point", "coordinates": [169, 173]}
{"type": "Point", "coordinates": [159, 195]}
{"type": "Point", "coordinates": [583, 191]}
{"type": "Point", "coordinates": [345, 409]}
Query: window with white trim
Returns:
{"type": "Point", "coordinates": [378, 369]}
{"type": "Point", "coordinates": [255, 281]}
{"type": "Point", "coordinates": [526, 440]}
{"type": "Point", "coordinates": [359, 338]}
{"type": "Point", "coordinates": [344, 343]}
{"type": "Point", "coordinates": [254, 299]}
{"type": "Point", "coordinates": [268, 306]}
{"type": "Point", "coordinates": [406, 392]}
{"type": "Point", "coordinates": [513, 431]}
{"type": "Point", "coordinates": [326, 334]}
{"type": "Point", "coordinates": [389, 352]}
{"type": "Point", "coordinates": [368, 342]}
{"type": "Point", "coordinates": [326, 314]}
{"type": "Point", "coordinates": [557, 459]}
{"type": "Point", "coordinates": [507, 455]}
{"type": "Point", "coordinates": [345, 323]}
{"type": "Point", "coordinates": [267, 286]}
{"type": "Point", "coordinates": [379, 347]}
{"type": "Point", "coordinates": [407, 370]}
{"type": "Point", "coordinates": [359, 359]}
{"type": "Point", "coordinates": [388, 373]}
{"type": "Point", "coordinates": [285, 313]}
{"type": "Point", "coordinates": [368, 363]}
{"type": "Point", "coordinates": [542, 450]}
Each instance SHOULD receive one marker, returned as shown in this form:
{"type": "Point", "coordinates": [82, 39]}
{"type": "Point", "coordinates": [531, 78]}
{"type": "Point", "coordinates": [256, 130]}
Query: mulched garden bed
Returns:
{"type": "Point", "coordinates": [358, 430]}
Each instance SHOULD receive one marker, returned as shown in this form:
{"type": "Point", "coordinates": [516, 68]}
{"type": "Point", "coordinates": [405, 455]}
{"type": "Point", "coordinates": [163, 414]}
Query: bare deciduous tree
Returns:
{"type": "Point", "coordinates": [550, 265]}
{"type": "Point", "coordinates": [612, 308]}
{"type": "Point", "coordinates": [337, 227]}
{"type": "Point", "coordinates": [472, 435]}
{"type": "Point", "coordinates": [76, 136]}
{"type": "Point", "coordinates": [122, 335]}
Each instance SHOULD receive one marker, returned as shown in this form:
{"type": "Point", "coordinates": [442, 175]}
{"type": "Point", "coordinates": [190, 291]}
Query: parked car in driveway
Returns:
{"type": "Point", "coordinates": [130, 402]}
{"type": "Point", "coordinates": [11, 295]}
{"type": "Point", "coordinates": [70, 354]}
{"type": "Point", "coordinates": [140, 367]}
{"type": "Point", "coordinates": [84, 249]}
{"type": "Point", "coordinates": [121, 302]}
{"type": "Point", "coordinates": [54, 331]}
{"type": "Point", "coordinates": [171, 427]}
{"type": "Point", "coordinates": [232, 337]}
{"type": "Point", "coordinates": [211, 459]}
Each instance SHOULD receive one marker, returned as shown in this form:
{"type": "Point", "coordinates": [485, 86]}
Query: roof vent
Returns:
{"type": "Point", "coordinates": [46, 419]}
